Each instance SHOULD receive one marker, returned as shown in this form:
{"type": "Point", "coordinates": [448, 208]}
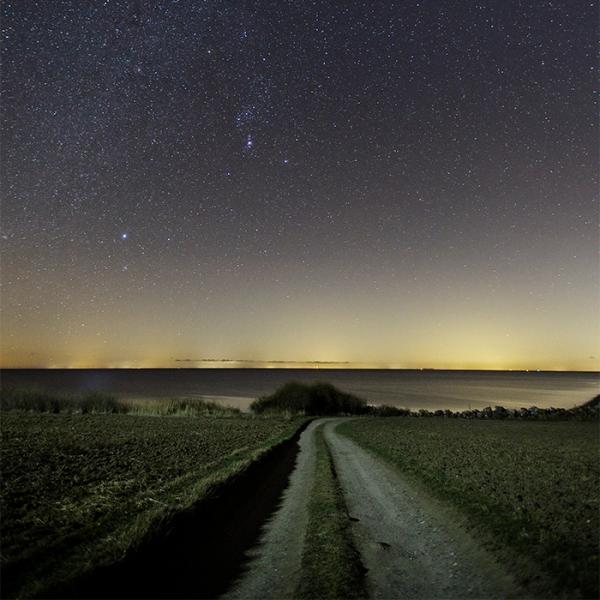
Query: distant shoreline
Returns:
{"type": "Point", "coordinates": [301, 368]}
{"type": "Point", "coordinates": [410, 388]}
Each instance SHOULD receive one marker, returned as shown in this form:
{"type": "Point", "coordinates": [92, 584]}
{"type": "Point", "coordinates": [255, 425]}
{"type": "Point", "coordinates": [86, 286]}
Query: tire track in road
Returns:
{"type": "Point", "coordinates": [273, 568]}
{"type": "Point", "coordinates": [408, 543]}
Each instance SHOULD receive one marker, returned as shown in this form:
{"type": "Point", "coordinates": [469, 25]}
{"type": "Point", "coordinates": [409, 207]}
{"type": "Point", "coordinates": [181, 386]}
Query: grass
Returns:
{"type": "Point", "coordinates": [179, 407]}
{"type": "Point", "coordinates": [331, 565]}
{"type": "Point", "coordinates": [35, 400]}
{"type": "Point", "coordinates": [530, 487]}
{"type": "Point", "coordinates": [78, 491]}
{"type": "Point", "coordinates": [316, 399]}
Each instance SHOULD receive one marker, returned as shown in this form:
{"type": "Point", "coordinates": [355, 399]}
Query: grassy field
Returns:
{"type": "Point", "coordinates": [531, 488]}
{"type": "Point", "coordinates": [331, 565]}
{"type": "Point", "coordinates": [78, 490]}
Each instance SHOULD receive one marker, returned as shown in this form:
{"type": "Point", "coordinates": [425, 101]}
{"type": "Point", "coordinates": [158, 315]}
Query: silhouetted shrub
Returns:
{"type": "Point", "coordinates": [315, 399]}
{"type": "Point", "coordinates": [383, 410]}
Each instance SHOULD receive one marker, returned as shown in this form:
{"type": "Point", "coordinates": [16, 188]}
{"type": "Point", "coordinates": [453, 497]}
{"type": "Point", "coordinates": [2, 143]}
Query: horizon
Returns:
{"type": "Point", "coordinates": [306, 366]}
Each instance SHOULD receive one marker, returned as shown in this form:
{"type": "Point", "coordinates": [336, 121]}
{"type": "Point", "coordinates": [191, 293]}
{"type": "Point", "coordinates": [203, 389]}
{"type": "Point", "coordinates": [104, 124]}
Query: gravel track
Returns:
{"type": "Point", "coordinates": [408, 542]}
{"type": "Point", "coordinates": [273, 569]}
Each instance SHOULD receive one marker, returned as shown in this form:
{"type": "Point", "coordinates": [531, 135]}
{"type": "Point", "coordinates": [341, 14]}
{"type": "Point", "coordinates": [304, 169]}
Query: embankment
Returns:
{"type": "Point", "coordinates": [198, 552]}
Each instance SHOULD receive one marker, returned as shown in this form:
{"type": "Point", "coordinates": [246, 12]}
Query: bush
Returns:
{"type": "Point", "coordinates": [315, 399]}
{"type": "Point", "coordinates": [383, 410]}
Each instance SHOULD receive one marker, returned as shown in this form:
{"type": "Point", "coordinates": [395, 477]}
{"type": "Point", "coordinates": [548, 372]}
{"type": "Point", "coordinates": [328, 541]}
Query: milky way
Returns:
{"type": "Point", "coordinates": [392, 183]}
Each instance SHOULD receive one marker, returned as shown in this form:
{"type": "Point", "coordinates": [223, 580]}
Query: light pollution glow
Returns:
{"type": "Point", "coordinates": [351, 329]}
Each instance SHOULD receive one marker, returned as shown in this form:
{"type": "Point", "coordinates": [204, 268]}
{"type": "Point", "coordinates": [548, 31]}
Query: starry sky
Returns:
{"type": "Point", "coordinates": [392, 184]}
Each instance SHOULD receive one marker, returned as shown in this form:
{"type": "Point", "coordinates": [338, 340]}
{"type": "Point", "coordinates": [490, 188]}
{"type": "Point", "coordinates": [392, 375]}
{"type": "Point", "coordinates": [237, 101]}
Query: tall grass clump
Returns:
{"type": "Point", "coordinates": [315, 399]}
{"type": "Point", "coordinates": [178, 407]}
{"type": "Point", "coordinates": [34, 400]}
{"type": "Point", "coordinates": [40, 401]}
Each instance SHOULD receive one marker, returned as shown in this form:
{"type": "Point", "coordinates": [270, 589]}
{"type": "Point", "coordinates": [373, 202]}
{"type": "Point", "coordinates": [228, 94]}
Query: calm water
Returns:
{"type": "Point", "coordinates": [456, 390]}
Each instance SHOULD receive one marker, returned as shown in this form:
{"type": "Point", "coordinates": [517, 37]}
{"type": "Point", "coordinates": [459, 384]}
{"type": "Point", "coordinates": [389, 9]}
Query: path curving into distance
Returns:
{"type": "Point", "coordinates": [409, 543]}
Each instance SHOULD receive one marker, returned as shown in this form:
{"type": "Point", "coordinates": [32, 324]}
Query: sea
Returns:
{"type": "Point", "coordinates": [415, 389]}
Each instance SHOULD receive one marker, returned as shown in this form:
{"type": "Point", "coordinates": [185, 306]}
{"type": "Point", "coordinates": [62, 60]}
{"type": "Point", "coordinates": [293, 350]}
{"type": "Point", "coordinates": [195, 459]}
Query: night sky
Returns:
{"type": "Point", "coordinates": [407, 184]}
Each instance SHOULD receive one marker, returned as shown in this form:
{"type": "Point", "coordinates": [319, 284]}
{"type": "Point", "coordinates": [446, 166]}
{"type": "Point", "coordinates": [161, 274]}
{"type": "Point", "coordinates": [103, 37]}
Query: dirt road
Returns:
{"type": "Point", "coordinates": [408, 542]}
{"type": "Point", "coordinates": [274, 567]}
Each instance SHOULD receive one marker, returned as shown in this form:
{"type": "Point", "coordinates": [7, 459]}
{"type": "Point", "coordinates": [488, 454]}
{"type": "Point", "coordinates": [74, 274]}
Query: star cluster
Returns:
{"type": "Point", "coordinates": [408, 183]}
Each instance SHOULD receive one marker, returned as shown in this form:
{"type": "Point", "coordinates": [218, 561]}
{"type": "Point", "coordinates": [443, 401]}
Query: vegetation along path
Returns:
{"type": "Point", "coordinates": [407, 542]}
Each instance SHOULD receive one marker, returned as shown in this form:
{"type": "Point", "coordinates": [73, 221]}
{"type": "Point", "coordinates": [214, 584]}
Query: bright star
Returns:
{"type": "Point", "coordinates": [124, 236]}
